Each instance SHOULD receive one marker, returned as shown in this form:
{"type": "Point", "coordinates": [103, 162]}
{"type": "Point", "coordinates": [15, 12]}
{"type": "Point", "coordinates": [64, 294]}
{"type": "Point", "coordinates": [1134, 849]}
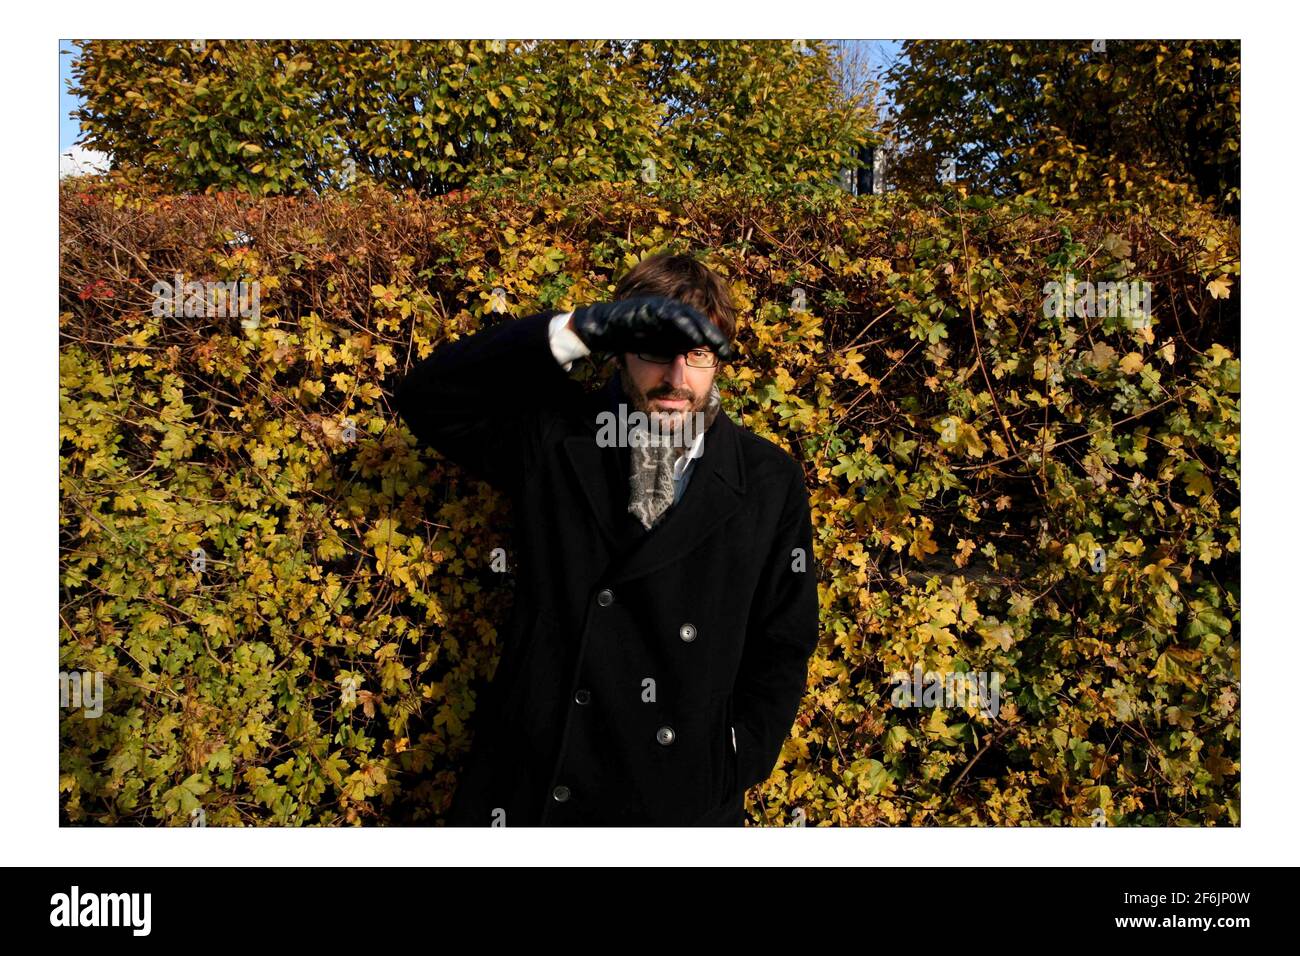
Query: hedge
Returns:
{"type": "Point", "coordinates": [293, 606]}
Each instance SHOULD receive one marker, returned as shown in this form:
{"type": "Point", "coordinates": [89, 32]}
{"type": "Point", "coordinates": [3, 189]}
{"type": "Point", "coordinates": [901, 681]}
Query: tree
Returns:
{"type": "Point", "coordinates": [1072, 120]}
{"type": "Point", "coordinates": [434, 116]}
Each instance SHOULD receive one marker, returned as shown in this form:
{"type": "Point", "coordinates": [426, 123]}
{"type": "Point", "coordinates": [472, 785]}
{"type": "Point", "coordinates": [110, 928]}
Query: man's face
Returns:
{"type": "Point", "coordinates": [673, 390]}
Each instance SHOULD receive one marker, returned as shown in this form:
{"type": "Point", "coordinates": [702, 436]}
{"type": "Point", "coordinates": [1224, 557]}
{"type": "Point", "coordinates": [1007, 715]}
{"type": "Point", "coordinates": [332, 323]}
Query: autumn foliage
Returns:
{"type": "Point", "coordinates": [967, 455]}
{"type": "Point", "coordinates": [274, 117]}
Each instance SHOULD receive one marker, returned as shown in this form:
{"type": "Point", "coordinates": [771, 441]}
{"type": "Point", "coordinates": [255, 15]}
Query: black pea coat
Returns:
{"type": "Point", "coordinates": [645, 678]}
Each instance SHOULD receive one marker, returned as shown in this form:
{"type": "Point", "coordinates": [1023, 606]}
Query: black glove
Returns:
{"type": "Point", "coordinates": [652, 324]}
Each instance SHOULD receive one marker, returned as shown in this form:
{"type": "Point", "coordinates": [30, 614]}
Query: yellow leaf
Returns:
{"type": "Point", "coordinates": [1217, 354]}
{"type": "Point", "coordinates": [1221, 287]}
{"type": "Point", "coordinates": [1101, 357]}
{"type": "Point", "coordinates": [151, 622]}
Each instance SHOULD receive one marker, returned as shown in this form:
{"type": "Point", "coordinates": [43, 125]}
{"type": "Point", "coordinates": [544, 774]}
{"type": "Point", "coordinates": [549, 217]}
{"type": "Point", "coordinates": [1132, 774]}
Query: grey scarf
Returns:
{"type": "Point", "coordinates": [651, 479]}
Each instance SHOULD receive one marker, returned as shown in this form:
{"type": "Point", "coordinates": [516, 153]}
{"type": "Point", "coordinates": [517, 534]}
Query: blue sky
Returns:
{"type": "Point", "coordinates": [68, 128]}
{"type": "Point", "coordinates": [880, 52]}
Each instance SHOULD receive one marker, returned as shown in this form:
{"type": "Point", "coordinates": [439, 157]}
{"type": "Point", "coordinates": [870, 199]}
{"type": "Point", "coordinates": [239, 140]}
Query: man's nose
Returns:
{"type": "Point", "coordinates": [677, 371]}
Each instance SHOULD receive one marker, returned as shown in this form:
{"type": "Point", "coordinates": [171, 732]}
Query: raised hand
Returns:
{"type": "Point", "coordinates": [652, 323]}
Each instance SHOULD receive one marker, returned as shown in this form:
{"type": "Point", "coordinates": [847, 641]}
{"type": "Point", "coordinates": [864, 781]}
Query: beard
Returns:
{"type": "Point", "coordinates": [667, 417]}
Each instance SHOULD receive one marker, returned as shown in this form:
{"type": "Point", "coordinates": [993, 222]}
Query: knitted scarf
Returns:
{"type": "Point", "coordinates": [651, 476]}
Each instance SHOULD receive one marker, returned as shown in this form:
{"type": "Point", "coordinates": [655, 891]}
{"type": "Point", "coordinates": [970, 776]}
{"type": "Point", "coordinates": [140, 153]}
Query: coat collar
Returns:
{"type": "Point", "coordinates": [715, 491]}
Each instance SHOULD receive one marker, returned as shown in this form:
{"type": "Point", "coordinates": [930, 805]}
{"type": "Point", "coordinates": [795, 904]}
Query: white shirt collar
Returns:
{"type": "Point", "coordinates": [695, 451]}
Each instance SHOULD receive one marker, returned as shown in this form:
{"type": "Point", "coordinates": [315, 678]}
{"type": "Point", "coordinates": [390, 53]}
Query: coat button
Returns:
{"type": "Point", "coordinates": [687, 632]}
{"type": "Point", "coordinates": [560, 793]}
{"type": "Point", "coordinates": [665, 736]}
{"type": "Point", "coordinates": [605, 598]}
{"type": "Point", "coordinates": [582, 695]}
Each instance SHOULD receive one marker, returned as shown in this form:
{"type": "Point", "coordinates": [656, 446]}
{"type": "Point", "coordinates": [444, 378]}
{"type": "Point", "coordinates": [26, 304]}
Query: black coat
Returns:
{"type": "Point", "coordinates": [630, 656]}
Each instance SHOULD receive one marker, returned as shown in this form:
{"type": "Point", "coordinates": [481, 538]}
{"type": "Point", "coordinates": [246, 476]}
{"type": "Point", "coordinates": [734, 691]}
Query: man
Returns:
{"type": "Point", "coordinates": [666, 601]}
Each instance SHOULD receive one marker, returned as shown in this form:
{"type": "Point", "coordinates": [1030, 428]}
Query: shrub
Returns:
{"type": "Point", "coordinates": [293, 606]}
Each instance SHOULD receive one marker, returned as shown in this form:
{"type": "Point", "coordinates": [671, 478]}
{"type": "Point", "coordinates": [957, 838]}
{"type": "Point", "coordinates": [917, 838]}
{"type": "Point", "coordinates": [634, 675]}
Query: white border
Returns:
{"type": "Point", "coordinates": [28, 798]}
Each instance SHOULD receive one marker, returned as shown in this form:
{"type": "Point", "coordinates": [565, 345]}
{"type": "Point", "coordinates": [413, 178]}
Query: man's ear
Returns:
{"type": "Point", "coordinates": [610, 366]}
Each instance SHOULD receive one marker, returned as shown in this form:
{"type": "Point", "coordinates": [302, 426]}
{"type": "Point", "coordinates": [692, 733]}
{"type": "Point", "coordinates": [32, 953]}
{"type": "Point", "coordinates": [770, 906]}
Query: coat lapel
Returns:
{"type": "Point", "coordinates": [714, 492]}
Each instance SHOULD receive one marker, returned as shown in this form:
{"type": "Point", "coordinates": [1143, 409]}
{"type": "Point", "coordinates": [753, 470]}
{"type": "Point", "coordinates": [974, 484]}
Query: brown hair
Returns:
{"type": "Point", "coordinates": [685, 279]}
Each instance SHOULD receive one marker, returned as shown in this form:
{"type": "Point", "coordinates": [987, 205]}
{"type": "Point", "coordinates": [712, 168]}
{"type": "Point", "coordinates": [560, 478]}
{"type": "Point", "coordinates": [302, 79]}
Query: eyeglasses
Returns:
{"type": "Point", "coordinates": [695, 358]}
